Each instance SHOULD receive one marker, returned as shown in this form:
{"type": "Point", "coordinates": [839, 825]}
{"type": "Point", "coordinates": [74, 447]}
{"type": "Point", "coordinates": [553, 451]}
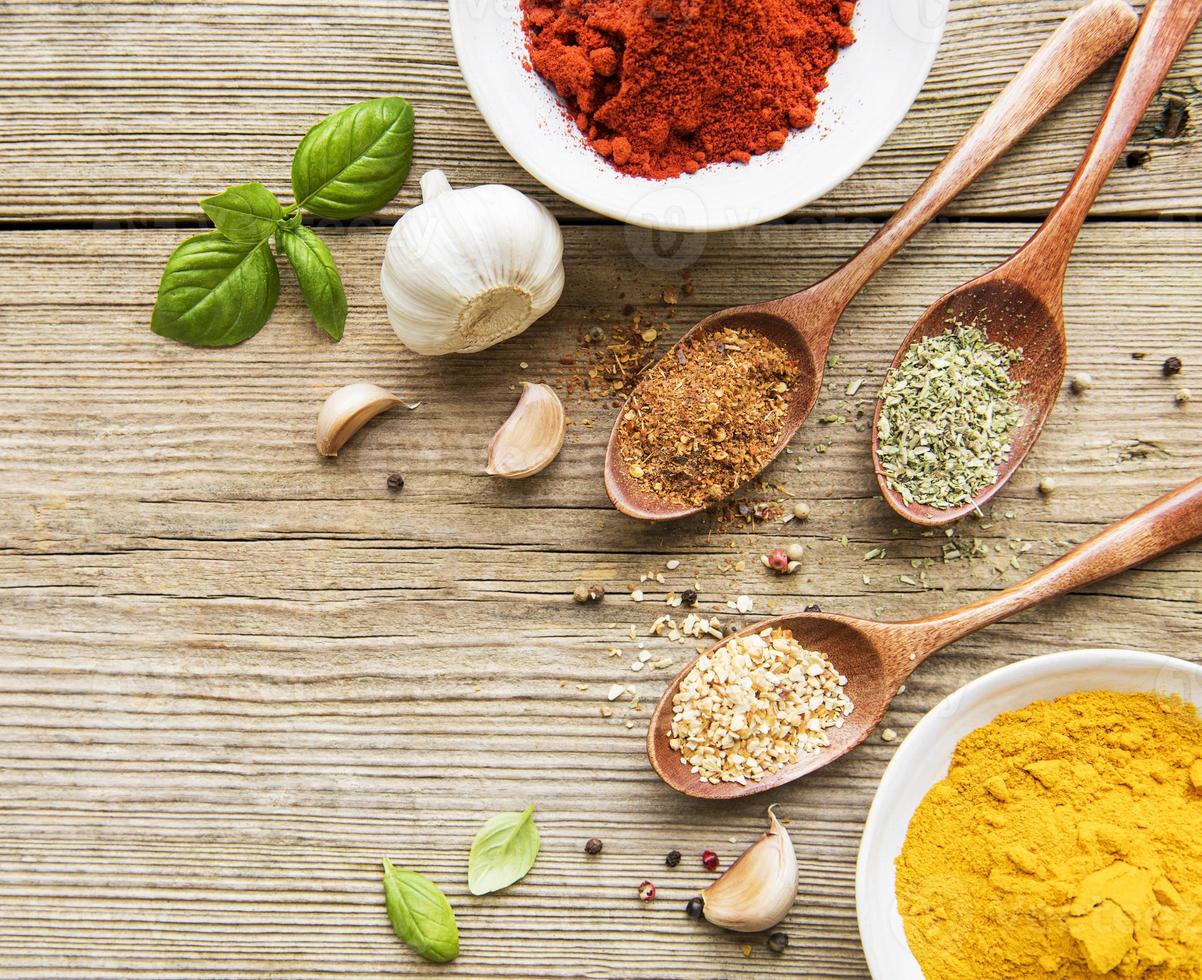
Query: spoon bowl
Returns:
{"type": "Point", "coordinates": [1013, 315]}
{"type": "Point", "coordinates": [767, 320]}
{"type": "Point", "coordinates": [855, 647]}
{"type": "Point", "coordinates": [876, 658]}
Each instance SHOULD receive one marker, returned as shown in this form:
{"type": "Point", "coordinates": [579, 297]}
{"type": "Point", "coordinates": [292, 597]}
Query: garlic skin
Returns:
{"type": "Point", "coordinates": [759, 889]}
{"type": "Point", "coordinates": [531, 437]}
{"type": "Point", "coordinates": [469, 268]}
{"type": "Point", "coordinates": [346, 412]}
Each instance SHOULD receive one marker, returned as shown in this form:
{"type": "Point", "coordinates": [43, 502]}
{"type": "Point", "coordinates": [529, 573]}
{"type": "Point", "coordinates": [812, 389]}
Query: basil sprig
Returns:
{"type": "Point", "coordinates": [420, 914]}
{"type": "Point", "coordinates": [219, 288]}
{"type": "Point", "coordinates": [503, 851]}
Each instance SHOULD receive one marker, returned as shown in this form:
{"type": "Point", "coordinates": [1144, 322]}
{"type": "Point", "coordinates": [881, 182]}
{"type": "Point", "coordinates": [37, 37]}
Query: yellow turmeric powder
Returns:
{"type": "Point", "coordinates": [1065, 842]}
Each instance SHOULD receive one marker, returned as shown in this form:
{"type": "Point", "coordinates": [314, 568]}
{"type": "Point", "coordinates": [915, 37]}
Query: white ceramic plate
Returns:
{"type": "Point", "coordinates": [925, 755]}
{"type": "Point", "coordinates": [873, 83]}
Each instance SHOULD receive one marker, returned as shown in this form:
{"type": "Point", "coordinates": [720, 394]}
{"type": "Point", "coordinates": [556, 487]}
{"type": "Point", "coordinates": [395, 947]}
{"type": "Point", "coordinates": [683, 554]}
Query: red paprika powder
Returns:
{"type": "Point", "coordinates": [665, 87]}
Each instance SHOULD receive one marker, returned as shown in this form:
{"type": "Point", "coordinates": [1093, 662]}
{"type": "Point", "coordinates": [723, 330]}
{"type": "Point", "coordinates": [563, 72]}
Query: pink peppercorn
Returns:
{"type": "Point", "coordinates": [778, 560]}
{"type": "Point", "coordinates": [646, 891]}
{"type": "Point", "coordinates": [709, 859]}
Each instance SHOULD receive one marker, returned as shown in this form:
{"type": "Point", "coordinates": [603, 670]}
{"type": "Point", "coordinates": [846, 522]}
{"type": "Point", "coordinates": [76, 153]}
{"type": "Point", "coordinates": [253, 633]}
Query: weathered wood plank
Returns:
{"type": "Point", "coordinates": [233, 674]}
{"type": "Point", "coordinates": [133, 109]}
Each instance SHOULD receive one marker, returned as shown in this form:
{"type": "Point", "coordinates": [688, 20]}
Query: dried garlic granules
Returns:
{"type": "Point", "coordinates": [1065, 842]}
{"type": "Point", "coordinates": [754, 705]}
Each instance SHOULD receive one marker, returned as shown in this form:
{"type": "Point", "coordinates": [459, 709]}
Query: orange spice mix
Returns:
{"type": "Point", "coordinates": [706, 420]}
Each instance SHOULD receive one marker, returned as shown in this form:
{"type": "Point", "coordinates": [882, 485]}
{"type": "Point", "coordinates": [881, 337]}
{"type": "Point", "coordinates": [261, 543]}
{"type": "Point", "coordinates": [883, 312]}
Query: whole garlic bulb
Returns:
{"type": "Point", "coordinates": [466, 269]}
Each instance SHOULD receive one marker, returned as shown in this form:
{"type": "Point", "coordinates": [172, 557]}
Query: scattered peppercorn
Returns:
{"type": "Point", "coordinates": [396, 482]}
{"type": "Point", "coordinates": [1171, 366]}
{"type": "Point", "coordinates": [593, 846]}
{"type": "Point", "coordinates": [1081, 383]}
{"type": "Point", "coordinates": [801, 511]}
{"type": "Point", "coordinates": [646, 891]}
{"type": "Point", "coordinates": [1184, 396]}
{"type": "Point", "coordinates": [1047, 486]}
{"type": "Point", "coordinates": [778, 560]}
{"type": "Point", "coordinates": [709, 859]}
{"type": "Point", "coordinates": [813, 607]}
{"type": "Point", "coordinates": [795, 552]}
{"type": "Point", "coordinates": [596, 335]}
{"type": "Point", "coordinates": [778, 942]}
{"type": "Point", "coordinates": [589, 593]}
{"type": "Point", "coordinates": [689, 597]}
{"type": "Point", "coordinates": [672, 859]}
{"type": "Point", "coordinates": [695, 907]}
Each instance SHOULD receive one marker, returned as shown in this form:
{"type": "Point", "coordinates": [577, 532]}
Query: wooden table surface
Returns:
{"type": "Point", "coordinates": [233, 674]}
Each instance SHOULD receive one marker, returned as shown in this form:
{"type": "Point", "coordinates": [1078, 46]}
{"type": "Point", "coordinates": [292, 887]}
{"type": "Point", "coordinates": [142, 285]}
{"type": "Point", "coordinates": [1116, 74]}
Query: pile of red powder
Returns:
{"type": "Point", "coordinates": [665, 87]}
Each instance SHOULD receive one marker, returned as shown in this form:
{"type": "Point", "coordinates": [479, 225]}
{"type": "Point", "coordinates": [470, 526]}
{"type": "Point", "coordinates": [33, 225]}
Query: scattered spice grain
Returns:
{"type": "Point", "coordinates": [1081, 383]}
{"type": "Point", "coordinates": [396, 482]}
{"type": "Point", "coordinates": [593, 846]}
{"type": "Point", "coordinates": [672, 859]}
{"type": "Point", "coordinates": [709, 860]}
{"type": "Point", "coordinates": [701, 424]}
{"type": "Point", "coordinates": [646, 891]}
{"type": "Point", "coordinates": [1171, 366]}
{"type": "Point", "coordinates": [778, 942]}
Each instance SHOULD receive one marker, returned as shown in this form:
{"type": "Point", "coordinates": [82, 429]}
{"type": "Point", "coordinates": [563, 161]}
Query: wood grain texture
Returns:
{"type": "Point", "coordinates": [234, 674]}
{"type": "Point", "coordinates": [133, 109]}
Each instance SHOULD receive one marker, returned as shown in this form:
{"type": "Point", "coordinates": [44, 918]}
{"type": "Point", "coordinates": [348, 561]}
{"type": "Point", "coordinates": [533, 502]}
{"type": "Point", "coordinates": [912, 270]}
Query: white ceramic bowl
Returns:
{"type": "Point", "coordinates": [873, 83]}
{"type": "Point", "coordinates": [925, 755]}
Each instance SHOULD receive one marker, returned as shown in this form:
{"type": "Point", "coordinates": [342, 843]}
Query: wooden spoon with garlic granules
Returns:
{"type": "Point", "coordinates": [804, 323]}
{"type": "Point", "coordinates": [876, 658]}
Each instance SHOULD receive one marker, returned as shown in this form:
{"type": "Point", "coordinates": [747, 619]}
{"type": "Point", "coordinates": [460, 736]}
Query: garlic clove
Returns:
{"type": "Point", "coordinates": [759, 889]}
{"type": "Point", "coordinates": [531, 437]}
{"type": "Point", "coordinates": [346, 411]}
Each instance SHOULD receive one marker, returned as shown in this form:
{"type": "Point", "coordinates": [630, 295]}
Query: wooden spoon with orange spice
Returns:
{"type": "Point", "coordinates": [802, 325]}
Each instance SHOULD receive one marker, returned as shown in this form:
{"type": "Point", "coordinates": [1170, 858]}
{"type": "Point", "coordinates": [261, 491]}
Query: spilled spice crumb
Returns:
{"type": "Point", "coordinates": [706, 420]}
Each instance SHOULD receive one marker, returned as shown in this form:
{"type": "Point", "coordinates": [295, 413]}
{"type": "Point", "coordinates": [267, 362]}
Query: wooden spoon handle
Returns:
{"type": "Point", "coordinates": [1170, 522]}
{"type": "Point", "coordinates": [1078, 47]}
{"type": "Point", "coordinates": [1166, 26]}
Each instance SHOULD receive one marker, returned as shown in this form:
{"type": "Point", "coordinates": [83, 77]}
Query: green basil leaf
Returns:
{"type": "Point", "coordinates": [503, 851]}
{"type": "Point", "coordinates": [215, 292]}
{"type": "Point", "coordinates": [353, 162]}
{"type": "Point", "coordinates": [420, 914]}
{"type": "Point", "coordinates": [245, 213]}
{"type": "Point", "coordinates": [318, 278]}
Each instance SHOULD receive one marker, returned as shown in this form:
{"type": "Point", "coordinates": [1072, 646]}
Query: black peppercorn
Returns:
{"type": "Point", "coordinates": [593, 846]}
{"type": "Point", "coordinates": [694, 908]}
{"type": "Point", "coordinates": [689, 597]}
{"type": "Point", "coordinates": [813, 607]}
{"type": "Point", "coordinates": [396, 482]}
{"type": "Point", "coordinates": [1171, 366]}
{"type": "Point", "coordinates": [672, 859]}
{"type": "Point", "coordinates": [778, 942]}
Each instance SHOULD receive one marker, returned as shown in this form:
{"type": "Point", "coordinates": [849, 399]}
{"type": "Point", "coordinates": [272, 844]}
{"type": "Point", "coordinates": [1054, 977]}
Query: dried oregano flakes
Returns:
{"type": "Point", "coordinates": [948, 412]}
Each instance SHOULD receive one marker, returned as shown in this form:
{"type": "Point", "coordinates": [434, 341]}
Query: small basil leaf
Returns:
{"type": "Point", "coordinates": [353, 162]}
{"type": "Point", "coordinates": [503, 851]}
{"type": "Point", "coordinates": [318, 278]}
{"type": "Point", "coordinates": [420, 914]}
{"type": "Point", "coordinates": [246, 213]}
{"type": "Point", "coordinates": [216, 293]}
